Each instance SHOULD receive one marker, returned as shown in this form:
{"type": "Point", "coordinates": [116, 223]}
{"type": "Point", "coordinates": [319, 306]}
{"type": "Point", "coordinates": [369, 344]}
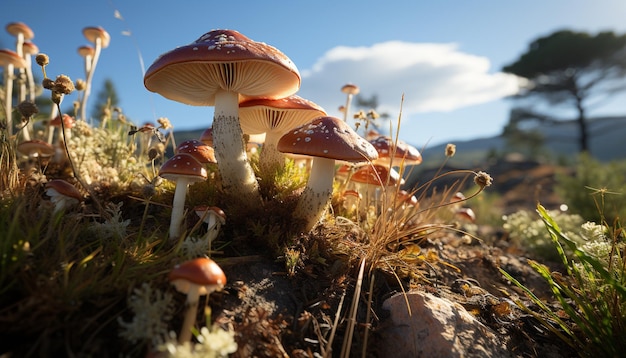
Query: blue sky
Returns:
{"type": "Point", "coordinates": [443, 56]}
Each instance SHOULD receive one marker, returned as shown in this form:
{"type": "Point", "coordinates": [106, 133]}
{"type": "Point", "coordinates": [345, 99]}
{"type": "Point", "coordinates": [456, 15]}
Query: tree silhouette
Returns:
{"type": "Point", "coordinates": [106, 97]}
{"type": "Point", "coordinates": [572, 68]}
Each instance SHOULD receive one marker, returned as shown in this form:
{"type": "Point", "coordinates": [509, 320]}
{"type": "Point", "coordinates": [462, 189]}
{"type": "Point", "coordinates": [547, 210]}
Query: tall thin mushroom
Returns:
{"type": "Point", "coordinates": [9, 60]}
{"type": "Point", "coordinates": [101, 39]}
{"type": "Point", "coordinates": [218, 69]}
{"type": "Point", "coordinates": [183, 169]}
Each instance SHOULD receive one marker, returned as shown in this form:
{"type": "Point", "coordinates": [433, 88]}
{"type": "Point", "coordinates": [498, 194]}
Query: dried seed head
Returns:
{"type": "Point", "coordinates": [63, 84]}
{"type": "Point", "coordinates": [483, 179]}
{"type": "Point", "coordinates": [27, 109]}
{"type": "Point", "coordinates": [156, 151]}
{"type": "Point", "coordinates": [450, 150]}
{"type": "Point", "coordinates": [164, 123]}
{"type": "Point", "coordinates": [47, 83]}
{"type": "Point", "coordinates": [42, 59]}
{"type": "Point", "coordinates": [80, 84]}
{"type": "Point", "coordinates": [148, 190]}
{"type": "Point", "coordinates": [56, 97]}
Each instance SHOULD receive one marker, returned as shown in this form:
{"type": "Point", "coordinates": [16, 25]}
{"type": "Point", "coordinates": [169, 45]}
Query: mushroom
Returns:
{"type": "Point", "coordinates": [195, 278]}
{"type": "Point", "coordinates": [375, 178]}
{"type": "Point", "coordinates": [87, 52]}
{"type": "Point", "coordinates": [395, 153]}
{"type": "Point", "coordinates": [101, 39]}
{"type": "Point", "coordinates": [199, 150]}
{"type": "Point", "coordinates": [9, 60]}
{"type": "Point", "coordinates": [22, 33]}
{"type": "Point", "coordinates": [207, 137]}
{"type": "Point", "coordinates": [183, 169]}
{"type": "Point", "coordinates": [350, 90]}
{"type": "Point", "coordinates": [326, 139]}
{"type": "Point", "coordinates": [216, 70]}
{"type": "Point", "coordinates": [275, 117]}
{"type": "Point", "coordinates": [28, 50]}
{"type": "Point", "coordinates": [214, 217]}
{"type": "Point", "coordinates": [36, 148]}
{"type": "Point", "coordinates": [62, 194]}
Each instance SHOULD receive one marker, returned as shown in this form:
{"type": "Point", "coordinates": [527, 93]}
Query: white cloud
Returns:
{"type": "Point", "coordinates": [432, 77]}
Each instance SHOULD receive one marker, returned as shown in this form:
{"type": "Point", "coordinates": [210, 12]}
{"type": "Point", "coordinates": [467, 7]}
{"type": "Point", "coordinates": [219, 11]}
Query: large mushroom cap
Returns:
{"type": "Point", "coordinates": [327, 137]}
{"type": "Point", "coordinates": [226, 60]}
{"type": "Point", "coordinates": [261, 115]}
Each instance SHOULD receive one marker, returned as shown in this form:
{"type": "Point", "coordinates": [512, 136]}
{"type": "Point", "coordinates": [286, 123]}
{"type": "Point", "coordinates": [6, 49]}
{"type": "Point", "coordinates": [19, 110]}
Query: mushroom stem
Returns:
{"type": "Point", "coordinates": [89, 80]}
{"type": "Point", "coordinates": [8, 97]}
{"type": "Point", "coordinates": [178, 208]}
{"type": "Point", "coordinates": [193, 296]}
{"type": "Point", "coordinates": [270, 159]}
{"type": "Point", "coordinates": [317, 194]}
{"type": "Point", "coordinates": [232, 160]}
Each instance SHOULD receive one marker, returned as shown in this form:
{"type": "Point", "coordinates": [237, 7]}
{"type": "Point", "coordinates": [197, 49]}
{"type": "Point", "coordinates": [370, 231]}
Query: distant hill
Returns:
{"type": "Point", "coordinates": [607, 142]}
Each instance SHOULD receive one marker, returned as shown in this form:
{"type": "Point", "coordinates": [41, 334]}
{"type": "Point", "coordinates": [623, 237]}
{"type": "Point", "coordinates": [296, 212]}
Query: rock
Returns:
{"type": "Point", "coordinates": [436, 327]}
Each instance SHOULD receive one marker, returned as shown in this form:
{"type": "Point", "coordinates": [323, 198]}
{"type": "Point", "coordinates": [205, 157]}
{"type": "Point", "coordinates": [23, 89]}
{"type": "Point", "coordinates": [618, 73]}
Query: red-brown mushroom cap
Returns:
{"type": "Point", "coordinates": [226, 60]}
{"type": "Point", "coordinates": [327, 137]}
{"type": "Point", "coordinates": [92, 33]}
{"type": "Point", "coordinates": [203, 211]}
{"type": "Point", "coordinates": [261, 115]}
{"type": "Point", "coordinates": [36, 148]}
{"type": "Point", "coordinates": [350, 89]}
{"type": "Point", "coordinates": [198, 149]}
{"type": "Point", "coordinates": [8, 57]}
{"type": "Point", "coordinates": [29, 48]}
{"type": "Point", "coordinates": [86, 50]}
{"type": "Point", "coordinates": [16, 28]}
{"type": "Point", "coordinates": [207, 136]}
{"type": "Point", "coordinates": [376, 174]}
{"type": "Point", "coordinates": [202, 272]}
{"type": "Point", "coordinates": [183, 165]}
{"type": "Point", "coordinates": [395, 152]}
{"type": "Point", "coordinates": [64, 188]}
{"type": "Point", "coordinates": [68, 121]}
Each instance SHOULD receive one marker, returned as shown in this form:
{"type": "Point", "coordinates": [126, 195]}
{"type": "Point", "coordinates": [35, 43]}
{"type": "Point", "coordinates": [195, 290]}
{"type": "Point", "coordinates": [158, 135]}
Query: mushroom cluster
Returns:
{"type": "Point", "coordinates": [218, 69]}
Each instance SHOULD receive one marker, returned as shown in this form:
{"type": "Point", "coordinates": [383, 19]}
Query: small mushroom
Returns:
{"type": "Point", "coordinates": [195, 278]}
{"type": "Point", "coordinates": [183, 169]}
{"type": "Point", "coordinates": [63, 194]}
{"type": "Point", "coordinates": [101, 39]}
{"type": "Point", "coordinates": [350, 90]}
{"type": "Point", "coordinates": [214, 217]}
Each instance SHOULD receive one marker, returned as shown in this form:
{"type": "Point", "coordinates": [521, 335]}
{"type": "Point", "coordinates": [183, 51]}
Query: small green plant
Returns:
{"type": "Point", "coordinates": [591, 173]}
{"type": "Point", "coordinates": [527, 231]}
{"type": "Point", "coordinates": [591, 293]}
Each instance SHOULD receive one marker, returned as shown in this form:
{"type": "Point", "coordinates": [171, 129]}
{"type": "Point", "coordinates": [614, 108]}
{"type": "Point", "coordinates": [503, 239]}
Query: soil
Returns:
{"type": "Point", "coordinates": [280, 314]}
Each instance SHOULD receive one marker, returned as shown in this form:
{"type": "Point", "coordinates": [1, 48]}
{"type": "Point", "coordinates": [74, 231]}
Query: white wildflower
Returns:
{"type": "Point", "coordinates": [193, 247]}
{"type": "Point", "coordinates": [152, 311]}
{"type": "Point", "coordinates": [113, 228]}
